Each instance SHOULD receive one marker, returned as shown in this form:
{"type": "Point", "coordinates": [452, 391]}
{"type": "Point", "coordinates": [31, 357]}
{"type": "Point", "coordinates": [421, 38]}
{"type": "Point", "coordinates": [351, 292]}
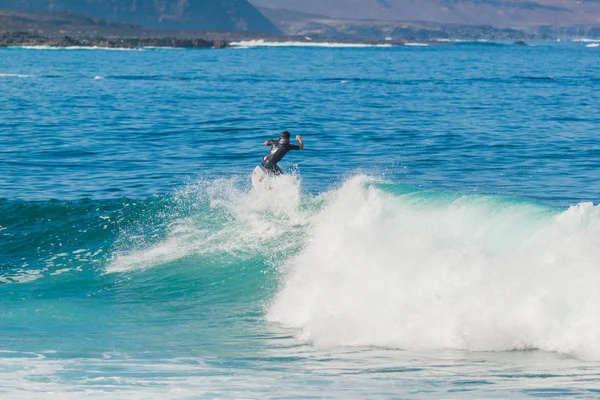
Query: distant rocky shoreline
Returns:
{"type": "Point", "coordinates": [24, 39]}
{"type": "Point", "coordinates": [26, 29]}
{"type": "Point", "coordinates": [65, 29]}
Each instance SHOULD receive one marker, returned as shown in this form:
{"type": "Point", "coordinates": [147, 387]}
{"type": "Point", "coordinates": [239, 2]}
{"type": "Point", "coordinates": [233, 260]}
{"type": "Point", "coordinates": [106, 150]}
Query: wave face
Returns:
{"type": "Point", "coordinates": [252, 282]}
{"type": "Point", "coordinates": [366, 264]}
{"type": "Point", "coordinates": [386, 266]}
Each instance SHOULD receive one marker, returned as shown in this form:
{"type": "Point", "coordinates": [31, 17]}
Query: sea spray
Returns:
{"type": "Point", "coordinates": [431, 271]}
{"type": "Point", "coordinates": [224, 218]}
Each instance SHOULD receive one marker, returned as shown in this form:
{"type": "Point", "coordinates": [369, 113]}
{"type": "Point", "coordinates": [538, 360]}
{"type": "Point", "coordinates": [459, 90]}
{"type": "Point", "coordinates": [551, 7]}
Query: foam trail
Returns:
{"type": "Point", "coordinates": [426, 271]}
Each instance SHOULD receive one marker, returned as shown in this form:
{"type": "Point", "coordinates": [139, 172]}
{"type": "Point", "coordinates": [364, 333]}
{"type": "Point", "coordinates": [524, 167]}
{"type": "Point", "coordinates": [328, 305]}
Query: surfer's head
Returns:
{"type": "Point", "coordinates": [285, 135]}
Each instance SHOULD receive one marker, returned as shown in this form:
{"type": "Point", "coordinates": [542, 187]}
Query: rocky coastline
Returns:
{"type": "Point", "coordinates": [65, 29]}
{"type": "Point", "coordinates": [25, 39]}
{"type": "Point", "coordinates": [69, 39]}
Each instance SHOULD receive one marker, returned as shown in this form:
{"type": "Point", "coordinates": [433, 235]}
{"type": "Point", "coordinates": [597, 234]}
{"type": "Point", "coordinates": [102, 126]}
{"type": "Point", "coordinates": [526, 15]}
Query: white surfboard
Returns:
{"type": "Point", "coordinates": [256, 175]}
{"type": "Point", "coordinates": [265, 183]}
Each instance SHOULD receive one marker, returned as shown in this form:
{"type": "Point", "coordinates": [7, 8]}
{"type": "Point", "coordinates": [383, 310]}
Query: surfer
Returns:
{"type": "Point", "coordinates": [279, 148]}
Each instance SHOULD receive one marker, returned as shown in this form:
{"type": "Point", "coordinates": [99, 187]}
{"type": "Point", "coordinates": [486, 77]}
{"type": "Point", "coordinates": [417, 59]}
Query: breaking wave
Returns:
{"type": "Point", "coordinates": [368, 263]}
{"type": "Point", "coordinates": [386, 266]}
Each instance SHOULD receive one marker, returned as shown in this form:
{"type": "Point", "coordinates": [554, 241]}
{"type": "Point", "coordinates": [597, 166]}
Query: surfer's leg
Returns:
{"type": "Point", "coordinates": [276, 169]}
{"type": "Point", "coordinates": [263, 176]}
{"type": "Point", "coordinates": [270, 167]}
{"type": "Point", "coordinates": [267, 166]}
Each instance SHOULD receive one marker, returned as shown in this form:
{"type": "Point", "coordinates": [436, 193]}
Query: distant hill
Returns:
{"type": "Point", "coordinates": [318, 26]}
{"type": "Point", "coordinates": [519, 14]}
{"type": "Point", "coordinates": [222, 15]}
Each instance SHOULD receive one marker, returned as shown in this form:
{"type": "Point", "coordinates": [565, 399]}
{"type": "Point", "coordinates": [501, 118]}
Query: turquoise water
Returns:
{"type": "Point", "coordinates": [438, 238]}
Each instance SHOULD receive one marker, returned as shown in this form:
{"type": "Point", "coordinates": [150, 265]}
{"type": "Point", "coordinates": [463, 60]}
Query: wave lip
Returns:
{"type": "Point", "coordinates": [427, 271]}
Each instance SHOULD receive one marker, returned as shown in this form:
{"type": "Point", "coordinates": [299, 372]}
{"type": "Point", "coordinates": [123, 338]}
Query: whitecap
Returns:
{"type": "Point", "coordinates": [15, 76]}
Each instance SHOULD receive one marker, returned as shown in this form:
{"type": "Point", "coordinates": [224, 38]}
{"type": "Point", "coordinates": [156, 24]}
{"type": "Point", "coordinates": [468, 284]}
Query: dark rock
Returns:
{"type": "Point", "coordinates": [13, 39]}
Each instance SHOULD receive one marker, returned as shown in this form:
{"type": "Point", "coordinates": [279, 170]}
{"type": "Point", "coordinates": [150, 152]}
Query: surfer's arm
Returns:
{"type": "Point", "coordinates": [268, 142]}
{"type": "Point", "coordinates": [299, 139]}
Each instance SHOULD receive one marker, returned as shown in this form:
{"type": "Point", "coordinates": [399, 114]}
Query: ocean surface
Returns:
{"type": "Point", "coordinates": [437, 238]}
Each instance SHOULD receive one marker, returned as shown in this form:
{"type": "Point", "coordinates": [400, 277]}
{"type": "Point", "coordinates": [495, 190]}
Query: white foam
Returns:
{"type": "Point", "coordinates": [60, 271]}
{"type": "Point", "coordinates": [592, 45]}
{"type": "Point", "coordinates": [446, 40]}
{"type": "Point", "coordinates": [469, 273]}
{"type": "Point", "coordinates": [29, 375]}
{"type": "Point", "coordinates": [264, 43]}
{"type": "Point", "coordinates": [162, 48]}
{"type": "Point", "coordinates": [256, 218]}
{"type": "Point", "coordinates": [22, 276]}
{"type": "Point", "coordinates": [15, 76]}
{"type": "Point", "coordinates": [416, 44]}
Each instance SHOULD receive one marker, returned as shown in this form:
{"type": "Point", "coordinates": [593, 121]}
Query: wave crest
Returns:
{"type": "Point", "coordinates": [426, 271]}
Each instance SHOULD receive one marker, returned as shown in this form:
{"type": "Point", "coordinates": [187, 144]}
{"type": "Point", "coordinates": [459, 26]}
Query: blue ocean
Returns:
{"type": "Point", "coordinates": [438, 237]}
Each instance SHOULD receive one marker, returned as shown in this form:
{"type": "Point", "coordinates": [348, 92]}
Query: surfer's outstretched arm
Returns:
{"type": "Point", "coordinates": [299, 139]}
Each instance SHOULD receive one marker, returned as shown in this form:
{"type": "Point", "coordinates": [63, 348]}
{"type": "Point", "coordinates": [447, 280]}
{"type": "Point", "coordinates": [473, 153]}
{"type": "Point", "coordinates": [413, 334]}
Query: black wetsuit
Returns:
{"type": "Point", "coordinates": [279, 148]}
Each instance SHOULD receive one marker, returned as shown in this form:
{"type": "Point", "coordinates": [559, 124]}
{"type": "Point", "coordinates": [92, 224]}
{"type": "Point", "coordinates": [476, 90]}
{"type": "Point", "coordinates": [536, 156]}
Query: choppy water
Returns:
{"type": "Point", "coordinates": [438, 238]}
